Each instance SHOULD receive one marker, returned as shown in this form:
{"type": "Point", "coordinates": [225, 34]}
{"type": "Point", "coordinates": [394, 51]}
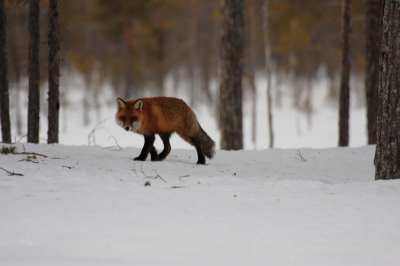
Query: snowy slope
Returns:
{"type": "Point", "coordinates": [89, 206]}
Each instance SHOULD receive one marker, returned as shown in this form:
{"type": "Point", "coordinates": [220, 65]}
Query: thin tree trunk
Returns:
{"type": "Point", "coordinates": [231, 75]}
{"type": "Point", "coordinates": [193, 53]}
{"type": "Point", "coordinates": [17, 70]}
{"type": "Point", "coordinates": [4, 95]}
{"type": "Point", "coordinates": [86, 92]}
{"type": "Point", "coordinates": [344, 98]}
{"type": "Point", "coordinates": [373, 44]}
{"type": "Point", "coordinates": [54, 73]}
{"type": "Point", "coordinates": [34, 72]}
{"type": "Point", "coordinates": [308, 105]}
{"type": "Point", "coordinates": [268, 72]}
{"type": "Point", "coordinates": [387, 156]}
{"type": "Point", "coordinates": [129, 64]}
{"type": "Point", "coordinates": [252, 72]}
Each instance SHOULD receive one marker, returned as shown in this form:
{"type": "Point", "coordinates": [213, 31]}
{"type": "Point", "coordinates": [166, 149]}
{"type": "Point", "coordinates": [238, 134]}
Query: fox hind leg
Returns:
{"type": "Point", "coordinates": [200, 153]}
{"type": "Point", "coordinates": [167, 146]}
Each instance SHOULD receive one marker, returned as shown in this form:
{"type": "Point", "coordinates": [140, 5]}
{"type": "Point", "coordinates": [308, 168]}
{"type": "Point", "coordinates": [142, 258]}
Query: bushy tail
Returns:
{"type": "Point", "coordinates": [207, 144]}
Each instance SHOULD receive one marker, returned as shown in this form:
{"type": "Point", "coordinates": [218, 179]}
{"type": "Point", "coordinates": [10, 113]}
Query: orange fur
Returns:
{"type": "Point", "coordinates": [163, 116]}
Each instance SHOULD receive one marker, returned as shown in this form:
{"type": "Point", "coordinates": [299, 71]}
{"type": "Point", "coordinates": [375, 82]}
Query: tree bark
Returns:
{"type": "Point", "coordinates": [54, 73]}
{"type": "Point", "coordinates": [252, 71]}
{"type": "Point", "coordinates": [34, 72]}
{"type": "Point", "coordinates": [373, 44]}
{"type": "Point", "coordinates": [4, 96]}
{"type": "Point", "coordinates": [387, 156]}
{"type": "Point", "coordinates": [231, 75]}
{"type": "Point", "coordinates": [16, 63]}
{"type": "Point", "coordinates": [268, 70]}
{"type": "Point", "coordinates": [344, 97]}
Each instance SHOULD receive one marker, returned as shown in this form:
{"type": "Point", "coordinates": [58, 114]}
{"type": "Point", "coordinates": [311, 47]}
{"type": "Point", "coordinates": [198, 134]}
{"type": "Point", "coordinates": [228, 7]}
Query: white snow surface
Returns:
{"type": "Point", "coordinates": [89, 206]}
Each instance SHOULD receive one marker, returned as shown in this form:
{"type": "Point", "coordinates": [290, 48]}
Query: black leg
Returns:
{"type": "Point", "coordinates": [153, 154]}
{"type": "Point", "coordinates": [148, 145]}
{"type": "Point", "coordinates": [167, 146]}
{"type": "Point", "coordinates": [200, 153]}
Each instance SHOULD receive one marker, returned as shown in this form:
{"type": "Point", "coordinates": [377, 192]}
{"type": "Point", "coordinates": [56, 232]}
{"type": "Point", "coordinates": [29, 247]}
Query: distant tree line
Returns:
{"type": "Point", "coordinates": [134, 44]}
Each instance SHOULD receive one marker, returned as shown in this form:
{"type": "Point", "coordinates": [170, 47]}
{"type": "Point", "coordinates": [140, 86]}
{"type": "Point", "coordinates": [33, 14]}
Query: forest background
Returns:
{"type": "Point", "coordinates": [134, 46]}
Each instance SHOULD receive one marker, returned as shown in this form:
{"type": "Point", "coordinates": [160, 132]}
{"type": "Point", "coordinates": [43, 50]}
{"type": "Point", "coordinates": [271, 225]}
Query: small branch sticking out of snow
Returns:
{"type": "Point", "coordinates": [301, 157]}
{"type": "Point", "coordinates": [97, 127]}
{"type": "Point", "coordinates": [9, 173]}
{"type": "Point", "coordinates": [115, 142]}
{"type": "Point", "coordinates": [146, 176]}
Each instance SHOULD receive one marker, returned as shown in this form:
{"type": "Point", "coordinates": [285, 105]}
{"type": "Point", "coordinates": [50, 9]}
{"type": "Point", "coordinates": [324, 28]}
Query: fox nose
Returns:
{"type": "Point", "coordinates": [127, 128]}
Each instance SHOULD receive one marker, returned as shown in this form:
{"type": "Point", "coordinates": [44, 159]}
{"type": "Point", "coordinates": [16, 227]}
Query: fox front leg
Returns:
{"type": "Point", "coordinates": [147, 147]}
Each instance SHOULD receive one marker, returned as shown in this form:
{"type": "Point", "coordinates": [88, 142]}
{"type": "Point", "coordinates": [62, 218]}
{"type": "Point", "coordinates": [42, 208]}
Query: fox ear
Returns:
{"type": "Point", "coordinates": [138, 105]}
{"type": "Point", "coordinates": [121, 103]}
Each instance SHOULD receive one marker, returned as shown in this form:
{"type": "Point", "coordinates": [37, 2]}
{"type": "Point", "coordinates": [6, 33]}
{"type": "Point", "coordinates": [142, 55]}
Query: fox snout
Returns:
{"type": "Point", "coordinates": [127, 128]}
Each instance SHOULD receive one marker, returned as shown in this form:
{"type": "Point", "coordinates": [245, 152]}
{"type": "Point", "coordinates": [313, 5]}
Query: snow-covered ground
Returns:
{"type": "Point", "coordinates": [90, 206]}
{"type": "Point", "coordinates": [305, 202]}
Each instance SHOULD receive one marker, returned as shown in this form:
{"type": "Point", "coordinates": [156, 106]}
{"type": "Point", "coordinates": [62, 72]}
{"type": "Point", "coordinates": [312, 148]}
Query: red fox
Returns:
{"type": "Point", "coordinates": [163, 116]}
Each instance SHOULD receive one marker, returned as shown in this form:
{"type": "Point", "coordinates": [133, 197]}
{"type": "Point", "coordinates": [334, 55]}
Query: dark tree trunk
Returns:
{"type": "Point", "coordinates": [34, 72]}
{"type": "Point", "coordinates": [231, 75]}
{"type": "Point", "coordinates": [373, 44]}
{"type": "Point", "coordinates": [54, 73]}
{"type": "Point", "coordinates": [344, 97]}
{"type": "Point", "coordinates": [268, 70]}
{"type": "Point", "coordinates": [160, 61]}
{"type": "Point", "coordinates": [252, 71]}
{"type": "Point", "coordinates": [17, 72]}
{"type": "Point", "coordinates": [4, 96]}
{"type": "Point", "coordinates": [387, 156]}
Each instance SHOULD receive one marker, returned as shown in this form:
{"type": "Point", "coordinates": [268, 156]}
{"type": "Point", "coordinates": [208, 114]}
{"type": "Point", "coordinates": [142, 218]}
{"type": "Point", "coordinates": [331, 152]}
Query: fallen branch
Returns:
{"type": "Point", "coordinates": [9, 173]}
{"type": "Point", "coordinates": [301, 157]}
{"type": "Point", "coordinates": [145, 175]}
{"type": "Point", "coordinates": [30, 153]}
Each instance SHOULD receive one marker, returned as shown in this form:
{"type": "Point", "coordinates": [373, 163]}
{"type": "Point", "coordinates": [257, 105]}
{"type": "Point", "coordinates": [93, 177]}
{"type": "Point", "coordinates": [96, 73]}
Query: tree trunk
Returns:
{"type": "Point", "coordinates": [252, 72]}
{"type": "Point", "coordinates": [4, 96]}
{"type": "Point", "coordinates": [387, 156]}
{"type": "Point", "coordinates": [17, 72]}
{"type": "Point", "coordinates": [54, 73]}
{"type": "Point", "coordinates": [344, 97]}
{"type": "Point", "coordinates": [268, 70]}
{"type": "Point", "coordinates": [373, 45]}
{"type": "Point", "coordinates": [231, 75]}
{"type": "Point", "coordinates": [34, 72]}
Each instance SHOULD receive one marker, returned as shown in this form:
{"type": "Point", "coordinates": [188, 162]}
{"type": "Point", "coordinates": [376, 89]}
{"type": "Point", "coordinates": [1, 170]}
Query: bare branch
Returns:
{"type": "Point", "coordinates": [9, 173]}
{"type": "Point", "coordinates": [145, 175]}
{"type": "Point", "coordinates": [30, 153]}
{"type": "Point", "coordinates": [115, 142]}
{"type": "Point", "coordinates": [301, 157]}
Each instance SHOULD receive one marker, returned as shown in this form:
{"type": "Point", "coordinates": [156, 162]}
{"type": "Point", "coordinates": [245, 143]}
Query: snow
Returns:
{"type": "Point", "coordinates": [305, 202]}
{"type": "Point", "coordinates": [90, 206]}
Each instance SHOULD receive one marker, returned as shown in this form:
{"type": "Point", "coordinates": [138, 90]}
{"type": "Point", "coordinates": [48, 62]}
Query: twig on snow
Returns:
{"type": "Point", "coordinates": [301, 157]}
{"type": "Point", "coordinates": [145, 175]}
{"type": "Point", "coordinates": [30, 153]}
{"type": "Point", "coordinates": [9, 173]}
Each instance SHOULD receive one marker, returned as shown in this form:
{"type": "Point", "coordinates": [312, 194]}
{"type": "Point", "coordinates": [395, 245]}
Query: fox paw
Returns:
{"type": "Point", "coordinates": [139, 159]}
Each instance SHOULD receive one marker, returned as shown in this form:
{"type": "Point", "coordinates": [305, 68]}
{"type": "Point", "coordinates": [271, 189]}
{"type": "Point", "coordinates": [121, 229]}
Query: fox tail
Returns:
{"type": "Point", "coordinates": [207, 144]}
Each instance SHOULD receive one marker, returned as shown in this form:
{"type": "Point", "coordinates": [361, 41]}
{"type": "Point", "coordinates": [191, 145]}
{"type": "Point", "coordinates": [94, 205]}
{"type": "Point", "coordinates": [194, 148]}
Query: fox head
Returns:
{"type": "Point", "coordinates": [129, 115]}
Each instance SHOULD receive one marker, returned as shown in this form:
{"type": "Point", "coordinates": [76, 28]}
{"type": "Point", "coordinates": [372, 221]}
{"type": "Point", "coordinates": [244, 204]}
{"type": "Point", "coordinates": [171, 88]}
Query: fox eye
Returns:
{"type": "Point", "coordinates": [133, 119]}
{"type": "Point", "coordinates": [123, 118]}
